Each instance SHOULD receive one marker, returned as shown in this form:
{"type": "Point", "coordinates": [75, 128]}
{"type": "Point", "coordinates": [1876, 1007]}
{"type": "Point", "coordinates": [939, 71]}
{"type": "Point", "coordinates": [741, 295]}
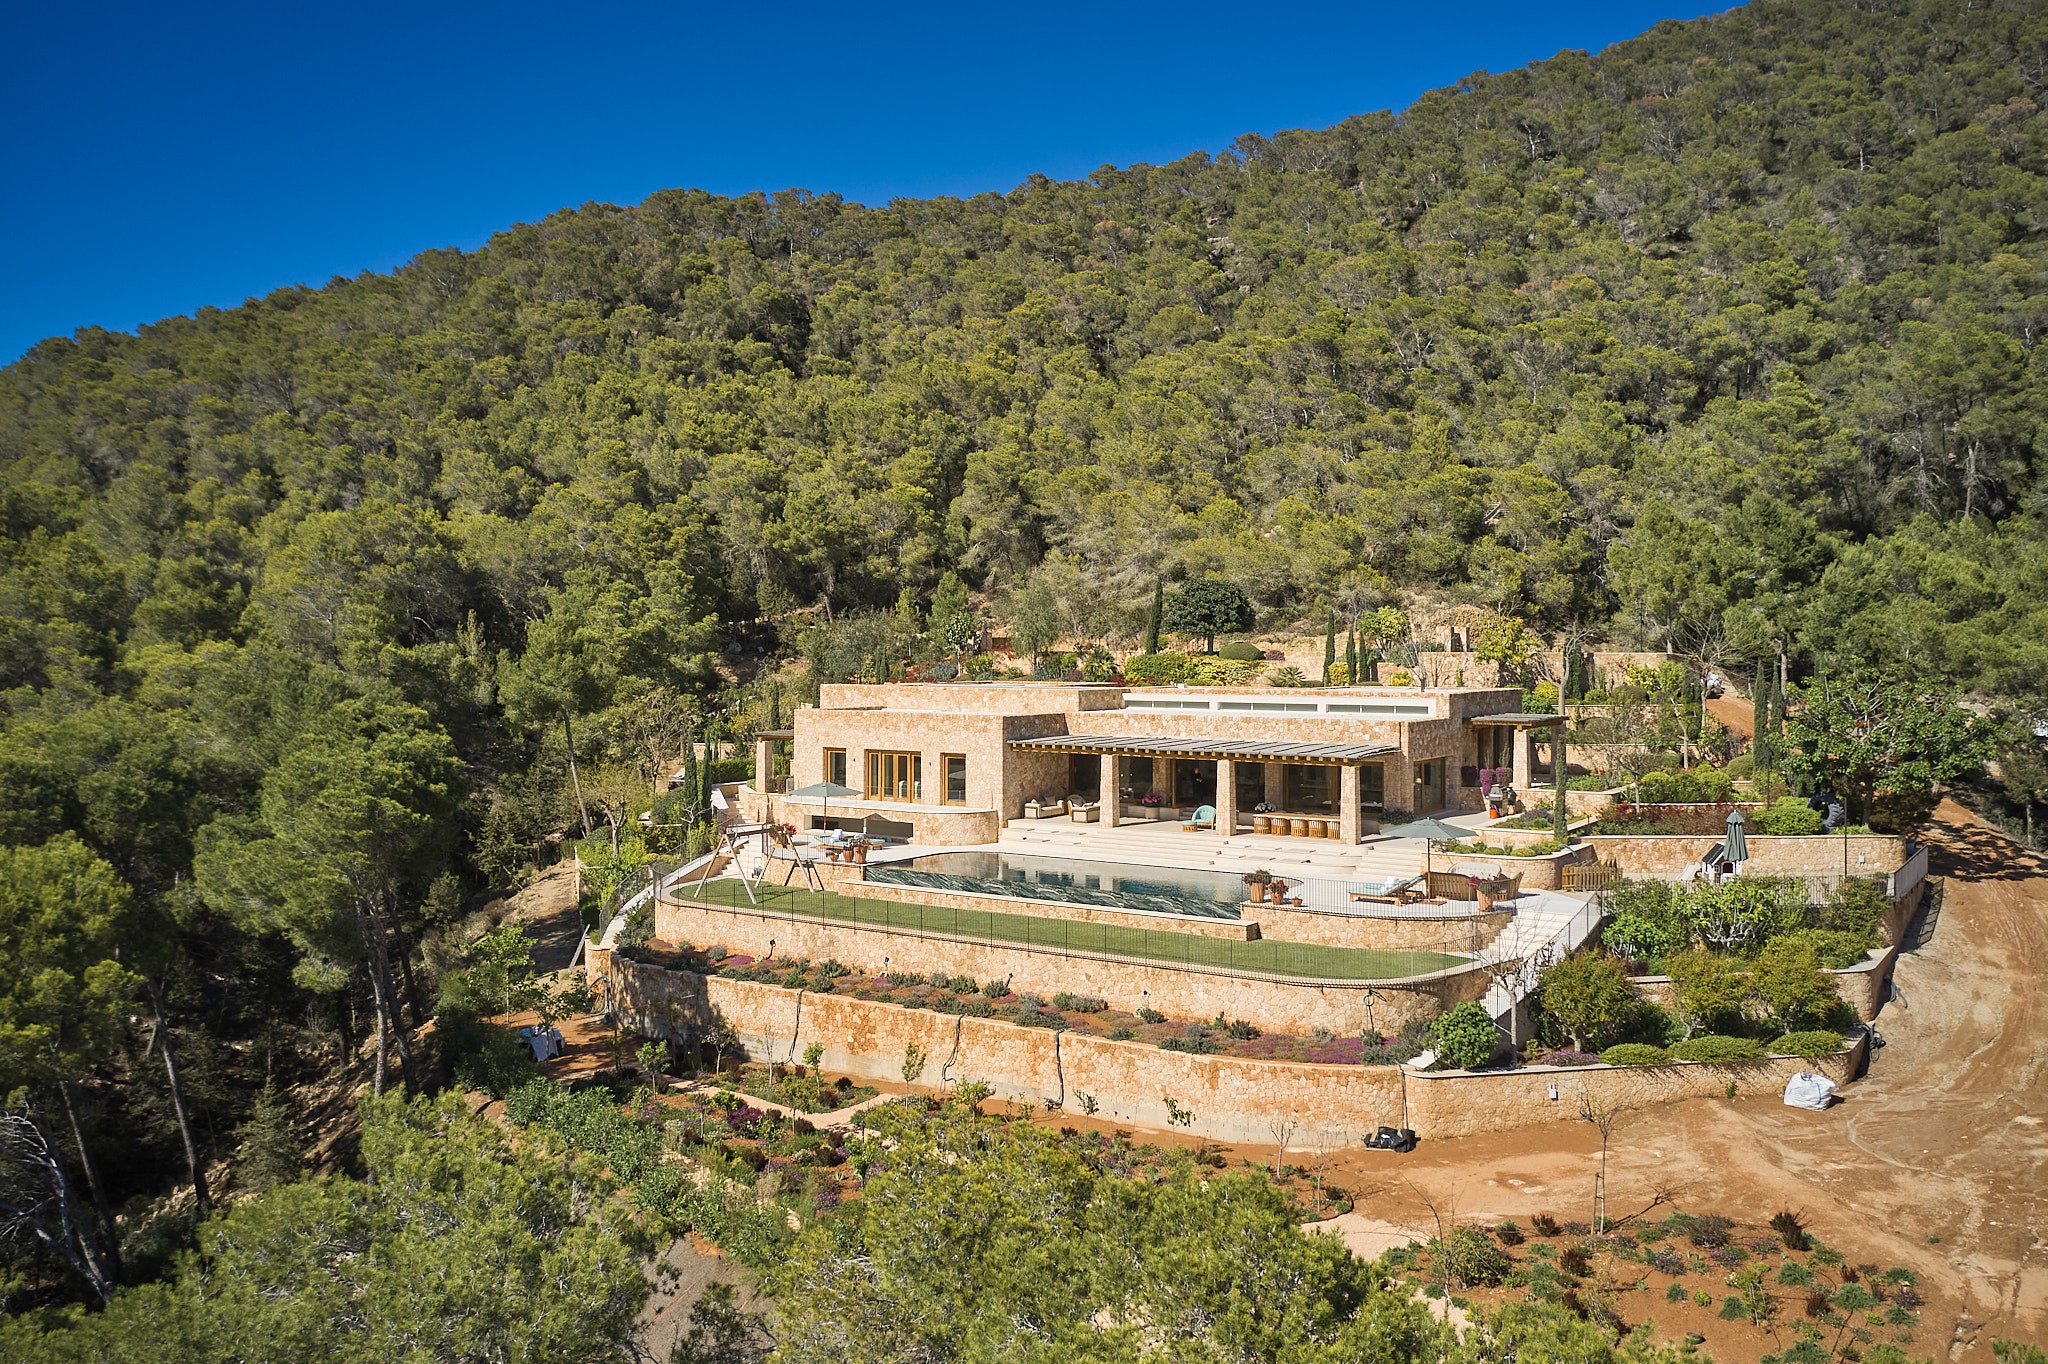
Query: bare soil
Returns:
{"type": "Point", "coordinates": [1936, 1160]}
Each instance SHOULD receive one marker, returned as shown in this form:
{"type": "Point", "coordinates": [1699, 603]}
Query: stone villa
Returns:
{"type": "Point", "coordinates": [951, 763]}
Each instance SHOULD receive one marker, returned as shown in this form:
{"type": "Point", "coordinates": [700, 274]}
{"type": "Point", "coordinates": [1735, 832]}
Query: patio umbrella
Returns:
{"type": "Point", "coordinates": [824, 791]}
{"type": "Point", "coordinates": [1736, 848]}
{"type": "Point", "coordinates": [1435, 830]}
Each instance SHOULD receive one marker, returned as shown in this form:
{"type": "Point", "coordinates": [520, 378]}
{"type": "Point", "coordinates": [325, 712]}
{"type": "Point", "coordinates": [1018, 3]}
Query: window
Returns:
{"type": "Point", "coordinates": [1372, 785]}
{"type": "Point", "coordinates": [1311, 789]}
{"type": "Point", "coordinates": [835, 766]}
{"type": "Point", "coordinates": [895, 776]}
{"type": "Point", "coordinates": [954, 765]}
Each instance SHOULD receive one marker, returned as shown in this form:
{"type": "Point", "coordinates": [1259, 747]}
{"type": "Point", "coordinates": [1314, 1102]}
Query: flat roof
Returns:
{"type": "Point", "coordinates": [1121, 744]}
{"type": "Point", "coordinates": [1522, 719]}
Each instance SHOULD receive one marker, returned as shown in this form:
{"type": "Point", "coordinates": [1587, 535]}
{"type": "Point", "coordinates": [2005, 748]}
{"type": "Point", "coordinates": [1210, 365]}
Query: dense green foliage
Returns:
{"type": "Point", "coordinates": [460, 1247]}
{"type": "Point", "coordinates": [320, 617]}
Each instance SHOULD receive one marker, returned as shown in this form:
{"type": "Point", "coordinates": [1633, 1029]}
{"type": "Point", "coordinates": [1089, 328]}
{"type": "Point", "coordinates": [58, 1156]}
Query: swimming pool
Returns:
{"type": "Point", "coordinates": [1073, 881]}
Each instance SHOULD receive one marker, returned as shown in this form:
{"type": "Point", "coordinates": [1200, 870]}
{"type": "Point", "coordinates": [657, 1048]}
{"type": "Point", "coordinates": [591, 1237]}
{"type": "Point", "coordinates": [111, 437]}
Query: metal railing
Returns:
{"type": "Point", "coordinates": [1902, 881]}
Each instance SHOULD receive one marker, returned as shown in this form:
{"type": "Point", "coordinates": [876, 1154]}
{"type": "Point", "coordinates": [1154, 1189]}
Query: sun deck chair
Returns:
{"type": "Point", "coordinates": [1390, 890]}
{"type": "Point", "coordinates": [1205, 818]}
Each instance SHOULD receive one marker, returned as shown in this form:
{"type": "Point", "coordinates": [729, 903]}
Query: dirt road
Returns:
{"type": "Point", "coordinates": [1938, 1159]}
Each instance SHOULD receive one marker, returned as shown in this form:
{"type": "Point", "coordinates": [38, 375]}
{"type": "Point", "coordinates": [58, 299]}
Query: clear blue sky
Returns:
{"type": "Point", "coordinates": [160, 158]}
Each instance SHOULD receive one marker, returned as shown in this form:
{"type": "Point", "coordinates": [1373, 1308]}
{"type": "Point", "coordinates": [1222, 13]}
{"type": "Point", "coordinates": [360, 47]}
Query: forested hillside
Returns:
{"type": "Point", "coordinates": [1726, 336]}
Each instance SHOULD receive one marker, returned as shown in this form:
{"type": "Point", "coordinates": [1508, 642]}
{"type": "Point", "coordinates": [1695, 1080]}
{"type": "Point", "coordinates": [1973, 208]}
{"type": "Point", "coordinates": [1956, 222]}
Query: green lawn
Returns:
{"type": "Point", "coordinates": [1276, 958]}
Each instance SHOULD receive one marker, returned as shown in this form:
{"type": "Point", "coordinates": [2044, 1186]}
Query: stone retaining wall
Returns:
{"type": "Point", "coordinates": [1238, 929]}
{"type": "Point", "coordinates": [1817, 855]}
{"type": "Point", "coordinates": [1447, 932]}
{"type": "Point", "coordinates": [1231, 1098]}
{"type": "Point", "coordinates": [1187, 991]}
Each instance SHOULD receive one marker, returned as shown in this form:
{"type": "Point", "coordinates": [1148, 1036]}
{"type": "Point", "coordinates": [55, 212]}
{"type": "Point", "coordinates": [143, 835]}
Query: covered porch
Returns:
{"type": "Point", "coordinates": [1507, 747]}
{"type": "Point", "coordinates": [1328, 791]}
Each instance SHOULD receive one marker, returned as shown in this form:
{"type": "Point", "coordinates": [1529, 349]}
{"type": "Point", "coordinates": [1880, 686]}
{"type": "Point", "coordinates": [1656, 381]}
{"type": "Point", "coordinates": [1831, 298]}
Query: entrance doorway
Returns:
{"type": "Point", "coordinates": [1429, 786]}
{"type": "Point", "coordinates": [1194, 783]}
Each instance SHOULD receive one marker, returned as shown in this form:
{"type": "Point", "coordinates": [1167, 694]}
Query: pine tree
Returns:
{"type": "Point", "coordinates": [268, 1153]}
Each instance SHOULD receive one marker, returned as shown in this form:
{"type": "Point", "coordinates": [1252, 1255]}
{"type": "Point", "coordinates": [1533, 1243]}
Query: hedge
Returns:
{"type": "Point", "coordinates": [1814, 1046]}
{"type": "Point", "coordinates": [1635, 1054]}
{"type": "Point", "coordinates": [1714, 1047]}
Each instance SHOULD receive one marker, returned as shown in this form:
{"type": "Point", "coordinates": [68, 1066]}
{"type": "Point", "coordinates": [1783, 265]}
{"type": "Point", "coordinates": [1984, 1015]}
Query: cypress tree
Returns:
{"type": "Point", "coordinates": [1152, 621]}
{"type": "Point", "coordinates": [1329, 645]}
{"type": "Point", "coordinates": [1351, 656]}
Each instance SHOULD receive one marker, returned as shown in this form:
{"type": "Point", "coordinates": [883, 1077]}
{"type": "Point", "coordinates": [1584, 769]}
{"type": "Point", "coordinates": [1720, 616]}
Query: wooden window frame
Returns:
{"type": "Point", "coordinates": [946, 779]}
{"type": "Point", "coordinates": [881, 768]}
{"type": "Point", "coordinates": [840, 778]}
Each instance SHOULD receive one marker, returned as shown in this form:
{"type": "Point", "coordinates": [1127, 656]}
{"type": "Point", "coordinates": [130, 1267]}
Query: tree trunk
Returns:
{"type": "Point", "coordinates": [381, 1052]}
{"type": "Point", "coordinates": [71, 1238]}
{"type": "Point", "coordinates": [575, 780]}
{"type": "Point", "coordinates": [388, 1022]}
{"type": "Point", "coordinates": [413, 1008]}
{"type": "Point", "coordinates": [192, 1162]}
{"type": "Point", "coordinates": [112, 1254]}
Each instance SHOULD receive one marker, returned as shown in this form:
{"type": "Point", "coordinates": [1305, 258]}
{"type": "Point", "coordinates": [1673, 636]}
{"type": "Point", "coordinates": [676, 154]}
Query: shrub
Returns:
{"type": "Point", "coordinates": [1858, 906]}
{"type": "Point", "coordinates": [1813, 1046]}
{"type": "Point", "coordinates": [1190, 1039]}
{"type": "Point", "coordinates": [1241, 652]}
{"type": "Point", "coordinates": [1148, 1015]}
{"type": "Point", "coordinates": [1545, 1224]}
{"type": "Point", "coordinates": [1575, 1260]}
{"type": "Point", "coordinates": [1287, 677]}
{"type": "Point", "coordinates": [1568, 1058]}
{"type": "Point", "coordinates": [1509, 1234]}
{"type": "Point", "coordinates": [1156, 670]}
{"type": "Point", "coordinates": [1635, 1054]}
{"type": "Point", "coordinates": [1399, 677]}
{"type": "Point", "coordinates": [1794, 1275]}
{"type": "Point", "coordinates": [1710, 1231]}
{"type": "Point", "coordinates": [1718, 1049]}
{"type": "Point", "coordinates": [1833, 950]}
{"type": "Point", "coordinates": [1470, 1259]}
{"type": "Point", "coordinates": [1466, 1036]}
{"type": "Point", "coordinates": [1079, 1004]}
{"type": "Point", "coordinates": [1665, 1260]}
{"type": "Point", "coordinates": [1791, 1229]}
{"type": "Point", "coordinates": [1589, 995]}
{"type": "Point", "coordinates": [996, 989]}
{"type": "Point", "coordinates": [1789, 980]}
{"type": "Point", "coordinates": [1242, 1030]}
{"type": "Point", "coordinates": [1789, 815]}
{"type": "Point", "coordinates": [1640, 937]}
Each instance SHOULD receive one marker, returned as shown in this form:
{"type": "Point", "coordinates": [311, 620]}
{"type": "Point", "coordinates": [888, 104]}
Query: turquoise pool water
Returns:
{"type": "Point", "coordinates": [1069, 880]}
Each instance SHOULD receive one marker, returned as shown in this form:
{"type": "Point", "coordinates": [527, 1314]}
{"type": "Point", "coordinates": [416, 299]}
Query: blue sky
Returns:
{"type": "Point", "coordinates": [161, 159]}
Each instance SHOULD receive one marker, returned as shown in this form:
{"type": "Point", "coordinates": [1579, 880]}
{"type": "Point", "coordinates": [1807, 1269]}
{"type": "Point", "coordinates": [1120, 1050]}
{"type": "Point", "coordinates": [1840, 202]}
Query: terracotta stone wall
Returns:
{"type": "Point", "coordinates": [1537, 873]}
{"type": "Point", "coordinates": [1668, 855]}
{"type": "Point", "coordinates": [1179, 990]}
{"type": "Point", "coordinates": [1441, 933]}
{"type": "Point", "coordinates": [1232, 1099]}
{"type": "Point", "coordinates": [1460, 1104]}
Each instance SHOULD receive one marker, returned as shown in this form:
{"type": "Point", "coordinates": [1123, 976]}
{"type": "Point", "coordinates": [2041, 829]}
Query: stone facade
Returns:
{"type": "Point", "coordinates": [976, 722]}
{"type": "Point", "coordinates": [1231, 1098]}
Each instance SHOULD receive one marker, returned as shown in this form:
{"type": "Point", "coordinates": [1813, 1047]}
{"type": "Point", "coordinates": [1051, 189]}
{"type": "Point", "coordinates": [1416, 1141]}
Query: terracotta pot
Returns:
{"type": "Point", "coordinates": [860, 856]}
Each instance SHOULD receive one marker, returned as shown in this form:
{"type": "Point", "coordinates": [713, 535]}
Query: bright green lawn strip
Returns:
{"type": "Point", "coordinates": [1275, 958]}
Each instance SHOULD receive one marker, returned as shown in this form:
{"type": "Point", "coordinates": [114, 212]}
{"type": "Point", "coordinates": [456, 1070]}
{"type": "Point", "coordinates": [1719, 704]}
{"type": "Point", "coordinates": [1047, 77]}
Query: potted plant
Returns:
{"type": "Point", "coordinates": [1257, 883]}
{"type": "Point", "coordinates": [1151, 802]}
{"type": "Point", "coordinates": [1277, 892]}
{"type": "Point", "coordinates": [857, 851]}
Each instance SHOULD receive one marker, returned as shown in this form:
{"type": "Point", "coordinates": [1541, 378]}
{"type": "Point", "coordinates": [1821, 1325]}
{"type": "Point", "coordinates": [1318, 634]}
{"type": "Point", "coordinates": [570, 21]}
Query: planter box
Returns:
{"type": "Point", "coordinates": [1133, 812]}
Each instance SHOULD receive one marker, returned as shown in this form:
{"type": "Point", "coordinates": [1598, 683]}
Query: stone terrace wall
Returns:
{"type": "Point", "coordinates": [1183, 991]}
{"type": "Point", "coordinates": [1436, 933]}
{"type": "Point", "coordinates": [1232, 1098]}
{"type": "Point", "coordinates": [1463, 1104]}
{"type": "Point", "coordinates": [1820, 855]}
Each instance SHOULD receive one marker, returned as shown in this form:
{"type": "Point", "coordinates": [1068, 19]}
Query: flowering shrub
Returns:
{"type": "Point", "coordinates": [745, 1120]}
{"type": "Point", "coordinates": [1568, 1058]}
